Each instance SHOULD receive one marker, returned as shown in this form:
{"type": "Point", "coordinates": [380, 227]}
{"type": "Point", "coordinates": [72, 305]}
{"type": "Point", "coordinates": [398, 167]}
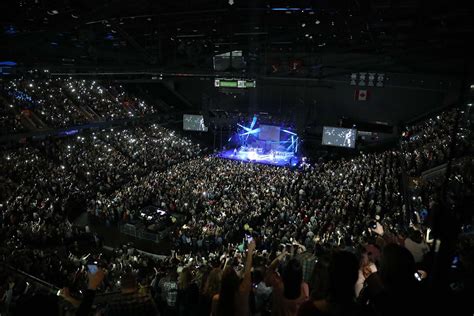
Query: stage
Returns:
{"type": "Point", "coordinates": [262, 143]}
{"type": "Point", "coordinates": [276, 158]}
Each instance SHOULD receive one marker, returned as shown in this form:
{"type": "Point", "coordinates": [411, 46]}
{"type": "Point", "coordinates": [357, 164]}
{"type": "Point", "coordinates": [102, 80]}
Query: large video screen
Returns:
{"type": "Point", "coordinates": [269, 132]}
{"type": "Point", "coordinates": [193, 122]}
{"type": "Point", "coordinates": [341, 137]}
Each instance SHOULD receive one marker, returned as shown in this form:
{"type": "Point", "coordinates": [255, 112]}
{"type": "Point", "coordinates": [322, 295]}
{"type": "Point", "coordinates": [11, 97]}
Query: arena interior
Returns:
{"type": "Point", "coordinates": [236, 158]}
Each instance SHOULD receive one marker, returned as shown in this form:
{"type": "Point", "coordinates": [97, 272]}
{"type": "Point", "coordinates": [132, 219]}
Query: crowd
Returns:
{"type": "Point", "coordinates": [10, 121]}
{"type": "Point", "coordinates": [329, 203]}
{"type": "Point", "coordinates": [63, 102]}
{"type": "Point", "coordinates": [43, 183]}
{"type": "Point", "coordinates": [427, 144]}
{"type": "Point", "coordinates": [334, 238]}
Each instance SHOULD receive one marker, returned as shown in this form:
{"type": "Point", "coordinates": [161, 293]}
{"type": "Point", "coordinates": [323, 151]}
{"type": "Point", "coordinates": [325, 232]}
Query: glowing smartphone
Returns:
{"type": "Point", "coordinates": [92, 268]}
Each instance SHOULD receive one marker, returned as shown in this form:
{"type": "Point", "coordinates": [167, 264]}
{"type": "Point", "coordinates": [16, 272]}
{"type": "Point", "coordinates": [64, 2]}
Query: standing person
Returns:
{"type": "Point", "coordinates": [212, 287]}
{"type": "Point", "coordinates": [367, 267]}
{"type": "Point", "coordinates": [262, 292]}
{"type": "Point", "coordinates": [339, 299]}
{"type": "Point", "coordinates": [233, 298]}
{"type": "Point", "coordinates": [289, 289]}
{"type": "Point", "coordinates": [394, 289]}
{"type": "Point", "coordinates": [169, 292]}
{"type": "Point", "coordinates": [188, 293]}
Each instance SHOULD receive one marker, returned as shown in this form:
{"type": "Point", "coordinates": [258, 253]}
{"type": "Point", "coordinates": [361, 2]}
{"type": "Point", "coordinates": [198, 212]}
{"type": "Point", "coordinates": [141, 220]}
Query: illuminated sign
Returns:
{"type": "Point", "coordinates": [234, 83]}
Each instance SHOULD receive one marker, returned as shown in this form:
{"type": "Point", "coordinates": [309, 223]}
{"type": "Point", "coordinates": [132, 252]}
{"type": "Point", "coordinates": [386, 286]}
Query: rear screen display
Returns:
{"type": "Point", "coordinates": [341, 137]}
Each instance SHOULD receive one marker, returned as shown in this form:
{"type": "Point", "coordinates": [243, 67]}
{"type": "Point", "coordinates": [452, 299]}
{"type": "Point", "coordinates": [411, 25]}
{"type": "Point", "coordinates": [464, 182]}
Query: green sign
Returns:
{"type": "Point", "coordinates": [234, 83]}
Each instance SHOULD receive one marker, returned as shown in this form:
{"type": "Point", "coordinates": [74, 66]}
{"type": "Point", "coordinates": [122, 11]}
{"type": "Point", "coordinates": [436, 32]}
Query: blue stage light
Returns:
{"type": "Point", "coordinates": [287, 131]}
{"type": "Point", "coordinates": [291, 9]}
{"type": "Point", "coordinates": [245, 128]}
{"type": "Point", "coordinates": [251, 132]}
{"type": "Point", "coordinates": [254, 121]}
{"type": "Point", "coordinates": [8, 63]}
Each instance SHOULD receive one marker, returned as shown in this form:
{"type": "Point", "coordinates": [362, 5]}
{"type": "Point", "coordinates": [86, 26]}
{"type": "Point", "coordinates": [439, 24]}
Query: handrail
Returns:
{"type": "Point", "coordinates": [41, 282]}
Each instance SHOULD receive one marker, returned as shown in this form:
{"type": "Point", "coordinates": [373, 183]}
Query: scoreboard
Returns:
{"type": "Point", "coordinates": [235, 83]}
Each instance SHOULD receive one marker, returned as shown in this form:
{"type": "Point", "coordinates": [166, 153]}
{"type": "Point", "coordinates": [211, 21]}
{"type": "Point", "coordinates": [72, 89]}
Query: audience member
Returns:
{"type": "Point", "coordinates": [233, 297]}
{"type": "Point", "coordinates": [288, 289]}
{"type": "Point", "coordinates": [342, 272]}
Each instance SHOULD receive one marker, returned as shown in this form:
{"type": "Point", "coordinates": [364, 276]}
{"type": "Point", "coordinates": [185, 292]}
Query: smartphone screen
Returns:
{"type": "Point", "coordinates": [92, 268]}
{"type": "Point", "coordinates": [417, 276]}
{"type": "Point", "coordinates": [455, 262]}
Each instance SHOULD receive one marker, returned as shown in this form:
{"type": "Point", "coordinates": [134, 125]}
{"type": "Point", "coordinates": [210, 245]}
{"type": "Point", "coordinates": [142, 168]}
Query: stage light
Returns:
{"type": "Point", "coordinates": [254, 121]}
{"type": "Point", "coordinates": [287, 131]}
{"type": "Point", "coordinates": [251, 132]}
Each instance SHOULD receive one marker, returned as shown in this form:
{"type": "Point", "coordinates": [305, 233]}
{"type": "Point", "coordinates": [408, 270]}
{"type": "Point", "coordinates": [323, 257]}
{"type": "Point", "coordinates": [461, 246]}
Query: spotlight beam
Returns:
{"type": "Point", "coordinates": [287, 131]}
{"type": "Point", "coordinates": [251, 132]}
{"type": "Point", "coordinates": [244, 127]}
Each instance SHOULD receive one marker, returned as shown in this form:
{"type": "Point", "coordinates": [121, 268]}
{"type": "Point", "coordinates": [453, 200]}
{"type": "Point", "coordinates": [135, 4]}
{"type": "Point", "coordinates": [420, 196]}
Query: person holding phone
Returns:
{"type": "Point", "coordinates": [94, 281]}
{"type": "Point", "coordinates": [289, 289]}
{"type": "Point", "coordinates": [92, 268]}
{"type": "Point", "coordinates": [233, 297]}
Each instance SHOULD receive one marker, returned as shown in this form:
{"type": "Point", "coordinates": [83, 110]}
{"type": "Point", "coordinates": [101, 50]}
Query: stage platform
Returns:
{"type": "Point", "coordinates": [277, 159]}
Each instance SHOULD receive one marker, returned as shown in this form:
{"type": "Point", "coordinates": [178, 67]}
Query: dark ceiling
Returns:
{"type": "Point", "coordinates": [186, 34]}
